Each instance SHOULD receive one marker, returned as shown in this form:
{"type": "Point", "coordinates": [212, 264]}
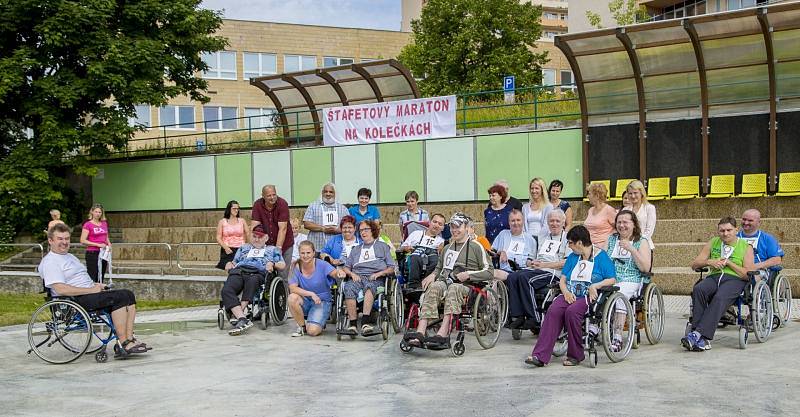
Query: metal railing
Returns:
{"type": "Point", "coordinates": [22, 245]}
{"type": "Point", "coordinates": [131, 264]}
{"type": "Point", "coordinates": [190, 268]}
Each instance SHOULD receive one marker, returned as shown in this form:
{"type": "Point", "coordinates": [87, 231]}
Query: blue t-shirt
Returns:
{"type": "Point", "coordinates": [496, 220]}
{"type": "Point", "coordinates": [335, 247]}
{"type": "Point", "coordinates": [603, 268]}
{"type": "Point", "coordinates": [250, 257]}
{"type": "Point", "coordinates": [371, 214]}
{"type": "Point", "coordinates": [319, 282]}
{"type": "Point", "coordinates": [765, 246]}
{"type": "Point", "coordinates": [518, 248]}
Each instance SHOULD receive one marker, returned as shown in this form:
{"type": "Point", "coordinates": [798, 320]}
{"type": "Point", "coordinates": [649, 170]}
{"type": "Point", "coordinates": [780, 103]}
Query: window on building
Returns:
{"type": "Point", "coordinates": [293, 63]}
{"type": "Point", "coordinates": [219, 118]}
{"type": "Point", "coordinates": [259, 118]}
{"type": "Point", "coordinates": [221, 65]}
{"type": "Point", "coordinates": [142, 117]}
{"type": "Point", "coordinates": [550, 15]}
{"type": "Point", "coordinates": [548, 34]}
{"type": "Point", "coordinates": [330, 61]}
{"type": "Point", "coordinates": [257, 64]}
{"type": "Point", "coordinates": [564, 16]}
{"type": "Point", "coordinates": [177, 117]}
{"type": "Point", "coordinates": [368, 59]}
{"type": "Point", "coordinates": [548, 76]}
{"type": "Point", "coordinates": [566, 77]}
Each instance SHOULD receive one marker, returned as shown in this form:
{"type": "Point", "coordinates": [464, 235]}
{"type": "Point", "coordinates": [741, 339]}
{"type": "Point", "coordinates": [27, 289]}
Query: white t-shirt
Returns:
{"type": "Point", "coordinates": [419, 238]}
{"type": "Point", "coordinates": [64, 269]}
{"type": "Point", "coordinates": [534, 221]}
{"type": "Point", "coordinates": [298, 239]}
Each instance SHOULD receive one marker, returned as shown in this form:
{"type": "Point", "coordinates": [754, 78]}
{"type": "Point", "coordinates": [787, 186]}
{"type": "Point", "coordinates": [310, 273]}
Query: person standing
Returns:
{"type": "Point", "coordinates": [322, 217]}
{"type": "Point", "coordinates": [272, 213]}
{"type": "Point", "coordinates": [232, 233]}
{"type": "Point", "coordinates": [95, 237]}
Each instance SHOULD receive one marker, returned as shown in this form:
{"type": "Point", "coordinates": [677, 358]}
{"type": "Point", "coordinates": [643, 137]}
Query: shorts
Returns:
{"type": "Point", "coordinates": [111, 299]}
{"type": "Point", "coordinates": [629, 290]}
{"type": "Point", "coordinates": [316, 313]}
{"type": "Point", "coordinates": [352, 288]}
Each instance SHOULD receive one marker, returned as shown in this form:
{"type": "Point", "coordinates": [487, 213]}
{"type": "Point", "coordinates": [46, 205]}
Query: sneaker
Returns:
{"type": "Point", "coordinates": [616, 344]}
{"type": "Point", "coordinates": [367, 328]}
{"type": "Point", "coordinates": [241, 327]}
{"type": "Point", "coordinates": [702, 344]}
{"type": "Point", "coordinates": [690, 341]}
{"type": "Point", "coordinates": [352, 329]}
{"type": "Point", "coordinates": [301, 331]}
{"type": "Point", "coordinates": [593, 329]}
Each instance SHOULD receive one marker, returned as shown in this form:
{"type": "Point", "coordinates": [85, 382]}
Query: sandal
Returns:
{"type": "Point", "coordinates": [414, 338]}
{"type": "Point", "coordinates": [138, 343]}
{"type": "Point", "coordinates": [570, 362]}
{"type": "Point", "coordinates": [134, 348]}
{"type": "Point", "coordinates": [533, 360]}
{"type": "Point", "coordinates": [437, 342]}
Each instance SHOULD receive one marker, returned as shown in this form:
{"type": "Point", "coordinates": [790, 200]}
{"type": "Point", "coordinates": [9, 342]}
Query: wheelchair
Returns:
{"type": "Point", "coordinates": [648, 306]}
{"type": "Point", "coordinates": [61, 331]}
{"type": "Point", "coordinates": [781, 291]}
{"type": "Point", "coordinates": [481, 314]}
{"type": "Point", "coordinates": [761, 318]}
{"type": "Point", "coordinates": [268, 305]}
{"type": "Point", "coordinates": [387, 309]}
{"type": "Point", "coordinates": [601, 323]}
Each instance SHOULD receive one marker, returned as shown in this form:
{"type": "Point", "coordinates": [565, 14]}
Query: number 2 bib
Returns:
{"type": "Point", "coordinates": [582, 272]}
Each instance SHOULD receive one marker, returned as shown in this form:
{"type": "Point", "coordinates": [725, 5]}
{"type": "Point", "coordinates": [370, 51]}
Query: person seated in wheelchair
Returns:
{"type": "Point", "coordinates": [65, 276]}
{"type": "Point", "coordinates": [513, 247]}
{"type": "Point", "coordinates": [367, 266]}
{"type": "Point", "coordinates": [423, 247]}
{"type": "Point", "coordinates": [767, 252]}
{"type": "Point", "coordinates": [541, 269]}
{"type": "Point", "coordinates": [632, 257]}
{"type": "Point", "coordinates": [246, 272]}
{"type": "Point", "coordinates": [585, 271]}
{"type": "Point", "coordinates": [463, 261]}
{"type": "Point", "coordinates": [728, 258]}
{"type": "Point", "coordinates": [338, 247]}
{"type": "Point", "coordinates": [310, 297]}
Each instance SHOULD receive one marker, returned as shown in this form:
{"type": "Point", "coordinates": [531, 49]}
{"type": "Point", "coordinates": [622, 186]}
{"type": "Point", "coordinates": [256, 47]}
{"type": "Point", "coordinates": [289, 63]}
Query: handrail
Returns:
{"type": "Point", "coordinates": [178, 256]}
{"type": "Point", "coordinates": [26, 245]}
{"type": "Point", "coordinates": [142, 244]}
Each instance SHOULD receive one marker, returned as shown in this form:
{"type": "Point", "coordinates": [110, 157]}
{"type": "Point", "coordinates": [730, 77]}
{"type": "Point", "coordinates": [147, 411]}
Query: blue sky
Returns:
{"type": "Point", "coordinates": [369, 14]}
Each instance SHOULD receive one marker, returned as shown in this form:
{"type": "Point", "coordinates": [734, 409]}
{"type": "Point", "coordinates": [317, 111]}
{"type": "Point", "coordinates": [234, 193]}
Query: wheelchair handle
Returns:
{"type": "Point", "coordinates": [701, 269]}
{"type": "Point", "coordinates": [753, 274]}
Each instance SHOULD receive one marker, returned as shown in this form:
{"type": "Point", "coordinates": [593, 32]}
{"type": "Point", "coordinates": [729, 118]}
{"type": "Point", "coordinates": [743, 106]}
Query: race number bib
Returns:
{"type": "Point", "coordinates": [582, 271]}
{"type": "Point", "coordinates": [257, 253]}
{"type": "Point", "coordinates": [450, 259]}
{"type": "Point", "coordinates": [428, 242]}
{"type": "Point", "coordinates": [549, 248]}
{"type": "Point", "coordinates": [366, 255]}
{"type": "Point", "coordinates": [330, 217]}
{"type": "Point", "coordinates": [727, 251]}
{"type": "Point", "coordinates": [516, 248]}
{"type": "Point", "coordinates": [619, 252]}
{"type": "Point", "coordinates": [752, 241]}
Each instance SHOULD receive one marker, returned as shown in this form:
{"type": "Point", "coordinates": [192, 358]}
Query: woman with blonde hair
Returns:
{"type": "Point", "coordinates": [95, 237]}
{"type": "Point", "coordinates": [536, 211]}
{"type": "Point", "coordinates": [601, 217]}
{"type": "Point", "coordinates": [645, 212]}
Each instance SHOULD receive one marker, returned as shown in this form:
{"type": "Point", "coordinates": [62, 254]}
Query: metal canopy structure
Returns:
{"type": "Point", "coordinates": [304, 93]}
{"type": "Point", "coordinates": [746, 61]}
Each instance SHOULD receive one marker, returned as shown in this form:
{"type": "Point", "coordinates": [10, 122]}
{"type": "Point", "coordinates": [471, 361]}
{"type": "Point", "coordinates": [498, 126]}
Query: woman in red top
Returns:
{"type": "Point", "coordinates": [95, 237]}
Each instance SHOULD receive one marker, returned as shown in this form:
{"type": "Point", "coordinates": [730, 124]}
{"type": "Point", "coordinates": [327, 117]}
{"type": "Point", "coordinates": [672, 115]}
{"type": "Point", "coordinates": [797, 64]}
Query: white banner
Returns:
{"type": "Point", "coordinates": [393, 121]}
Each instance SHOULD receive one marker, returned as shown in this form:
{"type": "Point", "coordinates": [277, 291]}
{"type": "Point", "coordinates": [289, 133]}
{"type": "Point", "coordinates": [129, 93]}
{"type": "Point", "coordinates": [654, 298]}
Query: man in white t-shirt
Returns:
{"type": "Point", "coordinates": [424, 247]}
{"type": "Point", "coordinates": [66, 276]}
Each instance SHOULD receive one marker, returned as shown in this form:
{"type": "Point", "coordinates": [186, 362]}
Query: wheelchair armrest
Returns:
{"type": "Point", "coordinates": [753, 274]}
{"type": "Point", "coordinates": [648, 274]}
{"type": "Point", "coordinates": [703, 269]}
{"type": "Point", "coordinates": [608, 288]}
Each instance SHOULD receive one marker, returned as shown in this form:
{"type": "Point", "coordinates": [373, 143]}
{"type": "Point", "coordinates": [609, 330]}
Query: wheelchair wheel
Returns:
{"type": "Point", "coordinates": [516, 334]}
{"type": "Point", "coordinates": [264, 318]}
{"type": "Point", "coordinates": [101, 330]}
{"type": "Point", "coordinates": [405, 347]}
{"type": "Point", "coordinates": [561, 346]}
{"type": "Point", "coordinates": [341, 316]}
{"type": "Point", "coordinates": [278, 295]}
{"type": "Point", "coordinates": [222, 318]}
{"type": "Point", "coordinates": [384, 324]}
{"type": "Point", "coordinates": [59, 331]}
{"type": "Point", "coordinates": [782, 298]}
{"type": "Point", "coordinates": [653, 313]}
{"type": "Point", "coordinates": [592, 359]}
{"type": "Point", "coordinates": [458, 348]}
{"type": "Point", "coordinates": [486, 315]}
{"type": "Point", "coordinates": [396, 306]}
{"type": "Point", "coordinates": [502, 292]}
{"type": "Point", "coordinates": [742, 338]}
{"type": "Point", "coordinates": [612, 329]}
{"type": "Point", "coordinates": [761, 312]}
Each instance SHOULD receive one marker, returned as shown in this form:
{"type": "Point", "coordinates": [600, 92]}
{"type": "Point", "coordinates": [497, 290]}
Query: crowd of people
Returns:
{"type": "Point", "coordinates": [530, 246]}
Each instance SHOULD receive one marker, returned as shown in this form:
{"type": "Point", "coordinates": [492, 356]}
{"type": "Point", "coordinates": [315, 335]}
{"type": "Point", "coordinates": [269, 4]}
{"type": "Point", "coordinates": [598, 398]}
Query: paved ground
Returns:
{"type": "Point", "coordinates": [199, 371]}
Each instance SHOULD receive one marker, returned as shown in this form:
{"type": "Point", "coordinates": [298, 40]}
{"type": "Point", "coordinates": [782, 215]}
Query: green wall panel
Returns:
{"type": "Point", "coordinates": [273, 168]}
{"type": "Point", "coordinates": [556, 154]}
{"type": "Point", "coordinates": [311, 169]}
{"type": "Point", "coordinates": [450, 169]}
{"type": "Point", "coordinates": [234, 179]}
{"type": "Point", "coordinates": [400, 169]}
{"type": "Point", "coordinates": [503, 157]}
{"type": "Point", "coordinates": [144, 185]}
{"type": "Point", "coordinates": [198, 182]}
{"type": "Point", "coordinates": [354, 167]}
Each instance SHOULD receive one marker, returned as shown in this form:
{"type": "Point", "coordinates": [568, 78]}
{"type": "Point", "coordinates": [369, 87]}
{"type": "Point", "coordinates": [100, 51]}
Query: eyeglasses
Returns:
{"type": "Point", "coordinates": [364, 230]}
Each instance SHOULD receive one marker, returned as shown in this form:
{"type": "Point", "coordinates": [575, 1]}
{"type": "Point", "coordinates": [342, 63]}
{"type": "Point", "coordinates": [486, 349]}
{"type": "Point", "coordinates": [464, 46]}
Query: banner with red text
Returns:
{"type": "Point", "coordinates": [393, 121]}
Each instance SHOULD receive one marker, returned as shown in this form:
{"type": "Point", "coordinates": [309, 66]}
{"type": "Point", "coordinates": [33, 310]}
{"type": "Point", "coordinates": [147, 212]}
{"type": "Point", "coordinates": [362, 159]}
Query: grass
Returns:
{"type": "Point", "coordinates": [17, 308]}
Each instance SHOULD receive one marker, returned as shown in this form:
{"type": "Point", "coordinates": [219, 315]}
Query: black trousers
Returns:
{"type": "Point", "coordinates": [710, 298]}
{"type": "Point", "coordinates": [419, 267]}
{"type": "Point", "coordinates": [242, 282]}
{"type": "Point", "coordinates": [523, 285]}
{"type": "Point", "coordinates": [96, 272]}
{"type": "Point", "coordinates": [112, 300]}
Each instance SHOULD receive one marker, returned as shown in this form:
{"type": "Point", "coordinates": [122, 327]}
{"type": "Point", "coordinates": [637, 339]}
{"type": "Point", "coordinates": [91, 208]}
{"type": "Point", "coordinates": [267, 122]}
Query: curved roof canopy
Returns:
{"type": "Point", "coordinates": [707, 65]}
{"type": "Point", "coordinates": [304, 93]}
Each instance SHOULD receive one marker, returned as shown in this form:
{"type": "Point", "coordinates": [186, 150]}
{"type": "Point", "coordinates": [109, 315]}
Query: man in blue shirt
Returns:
{"type": "Point", "coordinates": [245, 273]}
{"type": "Point", "coordinates": [768, 252]}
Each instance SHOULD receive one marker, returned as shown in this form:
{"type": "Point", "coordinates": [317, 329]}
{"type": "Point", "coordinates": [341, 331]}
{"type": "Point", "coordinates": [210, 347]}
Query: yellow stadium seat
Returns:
{"type": "Point", "coordinates": [722, 186]}
{"type": "Point", "coordinates": [686, 188]}
{"type": "Point", "coordinates": [754, 185]}
{"type": "Point", "coordinates": [621, 186]}
{"type": "Point", "coordinates": [607, 183]}
{"type": "Point", "coordinates": [658, 188]}
{"type": "Point", "coordinates": [788, 184]}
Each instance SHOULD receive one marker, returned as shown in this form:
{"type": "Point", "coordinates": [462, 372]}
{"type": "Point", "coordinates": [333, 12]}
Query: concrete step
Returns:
{"type": "Point", "coordinates": [680, 280]}
{"type": "Point", "coordinates": [701, 230]}
{"type": "Point", "coordinates": [682, 254]}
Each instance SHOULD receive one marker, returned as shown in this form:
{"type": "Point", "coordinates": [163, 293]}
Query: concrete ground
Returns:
{"type": "Point", "coordinates": [197, 370]}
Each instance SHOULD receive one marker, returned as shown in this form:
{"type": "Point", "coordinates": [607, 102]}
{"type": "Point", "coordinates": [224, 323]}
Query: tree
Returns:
{"type": "Point", "coordinates": [71, 73]}
{"type": "Point", "coordinates": [470, 45]}
{"type": "Point", "coordinates": [624, 13]}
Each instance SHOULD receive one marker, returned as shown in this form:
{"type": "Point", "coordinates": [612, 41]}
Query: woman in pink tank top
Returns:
{"type": "Point", "coordinates": [95, 237]}
{"type": "Point", "coordinates": [232, 233]}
